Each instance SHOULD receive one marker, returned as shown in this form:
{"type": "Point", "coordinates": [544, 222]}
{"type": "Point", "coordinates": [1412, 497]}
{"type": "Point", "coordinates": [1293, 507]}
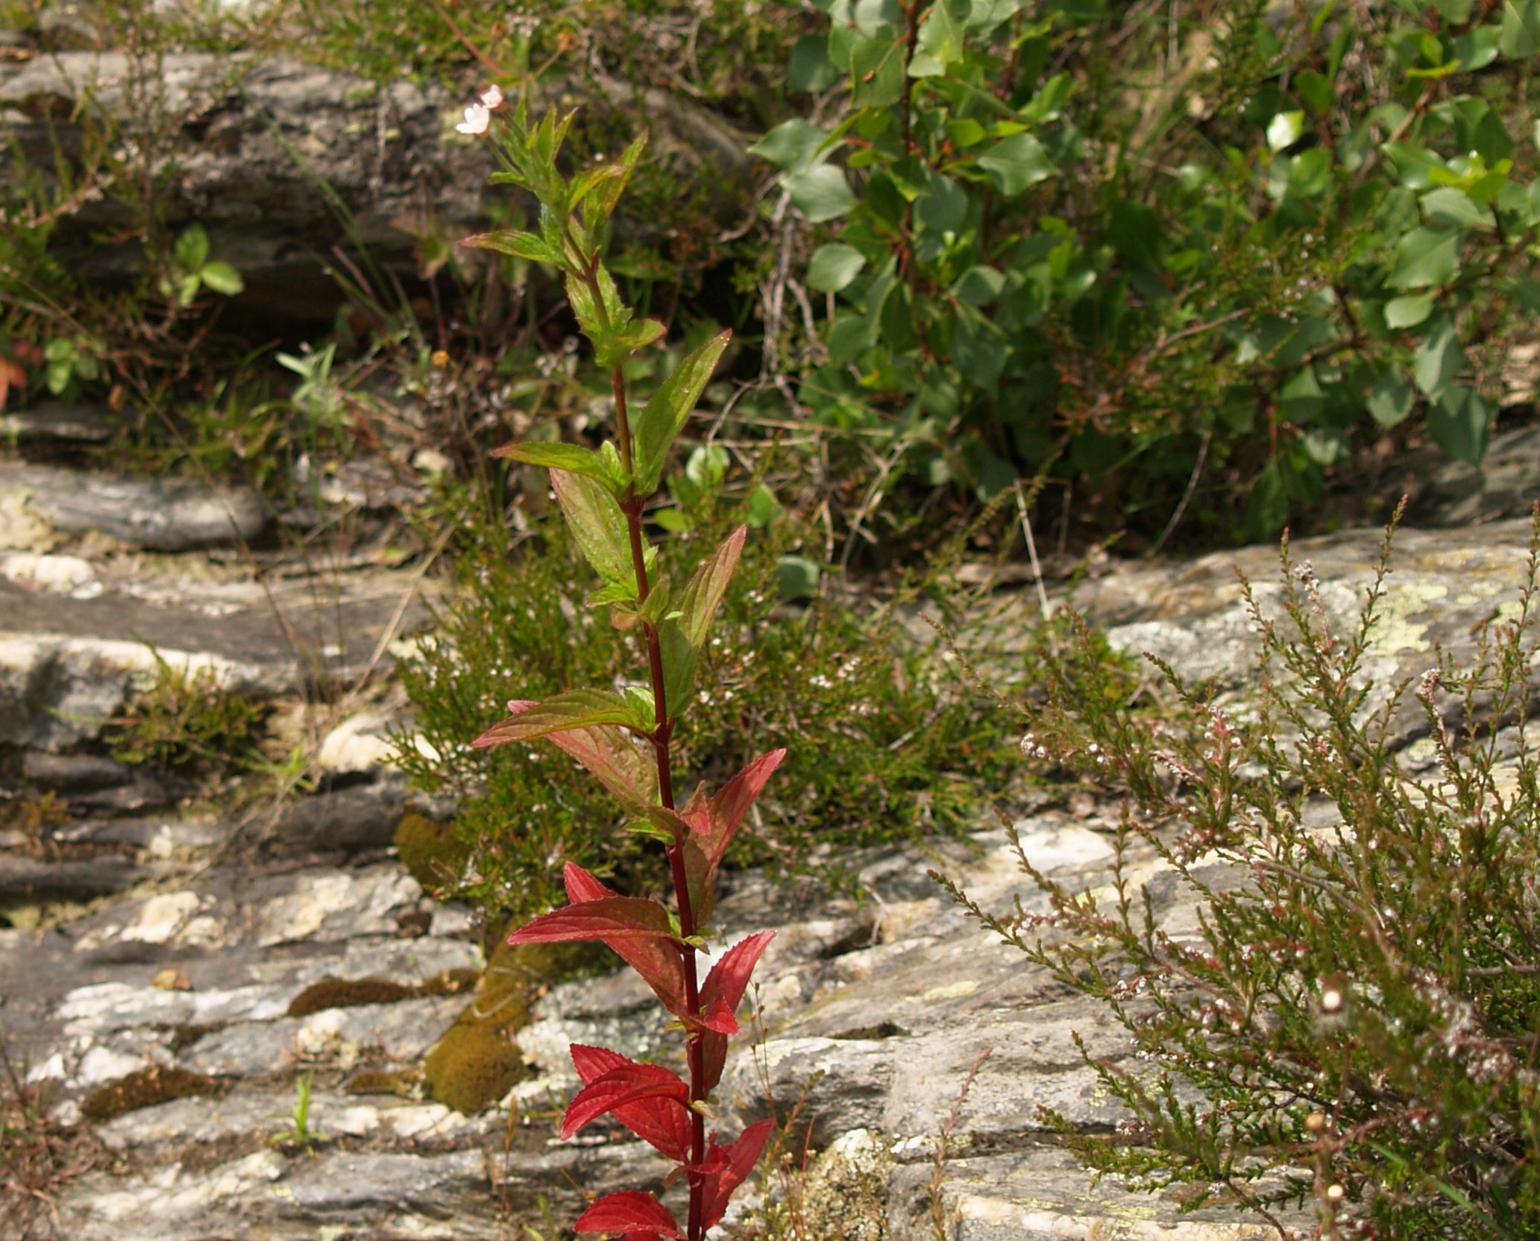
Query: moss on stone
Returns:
{"type": "Point", "coordinates": [473, 1066]}
{"type": "Point", "coordinates": [450, 982]}
{"type": "Point", "coordinates": [476, 1062]}
{"type": "Point", "coordinates": [430, 851]}
{"type": "Point", "coordinates": [381, 1081]}
{"type": "Point", "coordinates": [145, 1088]}
{"type": "Point", "coordinates": [348, 993]}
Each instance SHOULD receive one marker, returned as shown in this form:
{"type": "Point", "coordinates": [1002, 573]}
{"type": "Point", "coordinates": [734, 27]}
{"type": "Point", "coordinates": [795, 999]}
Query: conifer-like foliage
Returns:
{"type": "Point", "coordinates": [1350, 1029]}
{"type": "Point", "coordinates": [624, 736]}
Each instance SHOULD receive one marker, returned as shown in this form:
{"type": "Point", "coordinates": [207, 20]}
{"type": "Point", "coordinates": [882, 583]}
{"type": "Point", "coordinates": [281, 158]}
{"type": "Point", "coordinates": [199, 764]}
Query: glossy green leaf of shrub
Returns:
{"type": "Point", "coordinates": [1212, 250]}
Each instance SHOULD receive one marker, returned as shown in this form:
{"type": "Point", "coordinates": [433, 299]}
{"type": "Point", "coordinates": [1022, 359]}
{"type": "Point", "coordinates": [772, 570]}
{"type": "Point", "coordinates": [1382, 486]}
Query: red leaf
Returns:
{"type": "Point", "coordinates": [638, 930]}
{"type": "Point", "coordinates": [647, 1099]}
{"type": "Point", "coordinates": [728, 1173]}
{"type": "Point", "coordinates": [592, 1062]}
{"type": "Point", "coordinates": [713, 825]}
{"type": "Point", "coordinates": [729, 977]}
{"type": "Point", "coordinates": [723, 991]}
{"type": "Point", "coordinates": [582, 886]}
{"type": "Point", "coordinates": [618, 764]}
{"type": "Point", "coordinates": [631, 1211]}
{"type": "Point", "coordinates": [577, 708]}
{"type": "Point", "coordinates": [656, 1121]}
{"type": "Point", "coordinates": [730, 805]}
{"type": "Point", "coordinates": [11, 374]}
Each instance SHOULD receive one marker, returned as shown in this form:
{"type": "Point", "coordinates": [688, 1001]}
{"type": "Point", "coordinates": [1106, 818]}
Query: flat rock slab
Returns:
{"type": "Point", "coordinates": [74, 638]}
{"type": "Point", "coordinates": [253, 137]}
{"type": "Point", "coordinates": [1442, 588]}
{"type": "Point", "coordinates": [163, 514]}
{"type": "Point", "coordinates": [872, 1016]}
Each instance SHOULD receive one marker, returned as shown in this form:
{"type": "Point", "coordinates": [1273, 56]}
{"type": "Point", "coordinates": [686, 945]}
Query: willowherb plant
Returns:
{"type": "Point", "coordinates": [624, 737]}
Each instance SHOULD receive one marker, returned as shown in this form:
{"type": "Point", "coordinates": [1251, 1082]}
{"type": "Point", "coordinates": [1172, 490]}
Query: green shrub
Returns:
{"type": "Point", "coordinates": [1203, 254]}
{"type": "Point", "coordinates": [1351, 1023]}
{"type": "Point", "coordinates": [186, 719]}
{"type": "Point", "coordinates": [891, 752]}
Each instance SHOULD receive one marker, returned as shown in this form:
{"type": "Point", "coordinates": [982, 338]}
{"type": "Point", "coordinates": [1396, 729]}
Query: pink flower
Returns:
{"type": "Point", "coordinates": [492, 97]}
{"type": "Point", "coordinates": [477, 118]}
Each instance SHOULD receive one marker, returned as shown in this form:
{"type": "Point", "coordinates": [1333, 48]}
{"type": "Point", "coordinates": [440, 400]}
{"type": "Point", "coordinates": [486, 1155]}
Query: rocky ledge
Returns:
{"type": "Point", "coordinates": [159, 979]}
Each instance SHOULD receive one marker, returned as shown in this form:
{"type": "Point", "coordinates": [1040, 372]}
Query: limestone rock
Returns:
{"type": "Point", "coordinates": [158, 514]}
{"type": "Point", "coordinates": [254, 136]}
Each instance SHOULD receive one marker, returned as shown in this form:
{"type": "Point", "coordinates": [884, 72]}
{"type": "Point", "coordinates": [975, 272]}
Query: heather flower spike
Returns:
{"type": "Point", "coordinates": [624, 739]}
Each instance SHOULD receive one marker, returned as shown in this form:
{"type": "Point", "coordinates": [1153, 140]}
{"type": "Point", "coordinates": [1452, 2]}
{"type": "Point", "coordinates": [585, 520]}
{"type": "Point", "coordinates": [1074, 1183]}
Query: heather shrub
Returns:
{"type": "Point", "coordinates": [895, 751]}
{"type": "Point", "coordinates": [1349, 1026]}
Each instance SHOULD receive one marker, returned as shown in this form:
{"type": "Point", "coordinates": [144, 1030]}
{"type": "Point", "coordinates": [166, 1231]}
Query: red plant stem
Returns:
{"type": "Point", "coordinates": [662, 735]}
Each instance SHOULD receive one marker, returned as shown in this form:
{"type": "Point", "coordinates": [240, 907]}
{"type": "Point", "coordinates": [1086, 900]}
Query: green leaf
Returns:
{"type": "Point", "coordinates": [683, 636]}
{"type": "Point", "coordinates": [1408, 311]}
{"type": "Point", "coordinates": [222, 278]}
{"type": "Point", "coordinates": [1454, 209]}
{"type": "Point", "coordinates": [965, 132]}
{"type": "Point", "coordinates": [796, 577]}
{"type": "Point", "coordinates": [809, 68]}
{"type": "Point", "coordinates": [1459, 422]}
{"type": "Point", "coordinates": [597, 524]}
{"type": "Point", "coordinates": [1426, 257]}
{"type": "Point", "coordinates": [1284, 130]}
{"type": "Point", "coordinates": [1438, 359]}
{"type": "Point", "coordinates": [1477, 48]}
{"type": "Point", "coordinates": [597, 191]}
{"type": "Point", "coordinates": [763, 507]}
{"type": "Point", "coordinates": [664, 416]}
{"type": "Point", "coordinates": [834, 266]}
{"type": "Point", "coordinates": [943, 206]}
{"type": "Point", "coordinates": [1521, 29]}
{"type": "Point", "coordinates": [1016, 162]}
{"type": "Point", "coordinates": [978, 286]}
{"type": "Point", "coordinates": [1267, 508]}
{"type": "Point", "coordinates": [573, 458]}
{"type": "Point", "coordinates": [941, 37]}
{"type": "Point", "coordinates": [1314, 90]}
{"type": "Point", "coordinates": [820, 193]}
{"type": "Point", "coordinates": [517, 244]}
{"type": "Point", "coordinates": [620, 345]}
{"type": "Point", "coordinates": [877, 69]}
{"type": "Point", "coordinates": [578, 708]}
{"type": "Point", "coordinates": [1417, 166]}
{"type": "Point", "coordinates": [602, 318]}
{"type": "Point", "coordinates": [191, 250]}
{"type": "Point", "coordinates": [792, 145]}
{"type": "Point", "coordinates": [1391, 399]}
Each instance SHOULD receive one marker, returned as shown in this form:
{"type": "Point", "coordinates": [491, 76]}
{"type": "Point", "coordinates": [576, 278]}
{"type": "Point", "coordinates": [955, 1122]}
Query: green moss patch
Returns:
{"type": "Point", "coordinates": [476, 1062]}
{"type": "Point", "coordinates": [146, 1088]}
{"type": "Point", "coordinates": [473, 1066]}
{"type": "Point", "coordinates": [352, 992]}
{"type": "Point", "coordinates": [380, 1081]}
{"type": "Point", "coordinates": [430, 851]}
{"type": "Point", "coordinates": [348, 993]}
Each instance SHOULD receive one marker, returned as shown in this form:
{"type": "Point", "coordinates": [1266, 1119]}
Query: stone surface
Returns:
{"type": "Point", "coordinates": [169, 515]}
{"type": "Point", "coordinates": [55, 420]}
{"type": "Point", "coordinates": [255, 136]}
{"type": "Point", "coordinates": [79, 631]}
{"type": "Point", "coordinates": [871, 1015]}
